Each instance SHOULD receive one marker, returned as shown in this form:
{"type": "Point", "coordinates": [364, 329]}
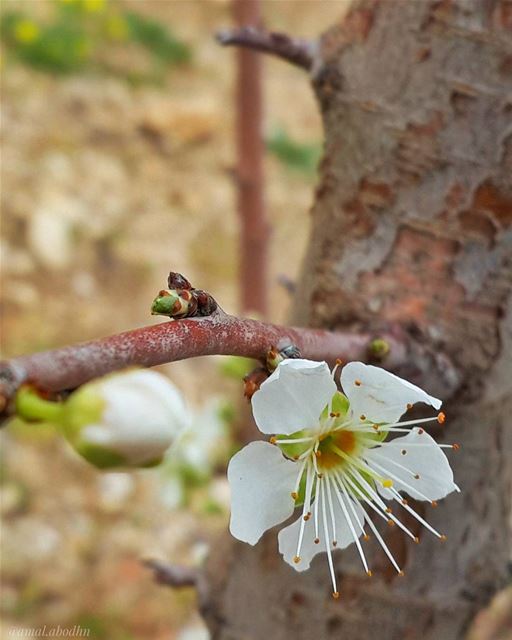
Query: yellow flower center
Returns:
{"type": "Point", "coordinates": [343, 440]}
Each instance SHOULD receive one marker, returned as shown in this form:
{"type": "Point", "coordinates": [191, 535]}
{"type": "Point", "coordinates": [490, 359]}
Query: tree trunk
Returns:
{"type": "Point", "coordinates": [411, 228]}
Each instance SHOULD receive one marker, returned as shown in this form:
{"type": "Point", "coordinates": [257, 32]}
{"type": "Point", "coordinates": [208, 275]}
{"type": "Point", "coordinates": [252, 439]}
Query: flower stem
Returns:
{"type": "Point", "coordinates": [31, 407]}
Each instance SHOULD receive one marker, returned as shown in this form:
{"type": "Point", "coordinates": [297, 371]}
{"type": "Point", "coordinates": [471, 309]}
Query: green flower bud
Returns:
{"type": "Point", "coordinates": [167, 303]}
{"type": "Point", "coordinates": [379, 348]}
{"type": "Point", "coordinates": [124, 420]}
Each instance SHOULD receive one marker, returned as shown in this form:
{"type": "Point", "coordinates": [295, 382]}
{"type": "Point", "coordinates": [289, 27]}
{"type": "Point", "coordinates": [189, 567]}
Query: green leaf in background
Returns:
{"type": "Point", "coordinates": [296, 155]}
{"type": "Point", "coordinates": [236, 367]}
{"type": "Point", "coordinates": [157, 39]}
{"type": "Point", "coordinates": [81, 35]}
{"type": "Point", "coordinates": [59, 47]}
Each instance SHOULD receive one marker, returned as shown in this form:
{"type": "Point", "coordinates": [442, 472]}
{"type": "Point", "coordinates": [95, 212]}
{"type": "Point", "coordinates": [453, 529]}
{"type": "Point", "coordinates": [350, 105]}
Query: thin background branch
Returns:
{"type": "Point", "coordinates": [254, 227]}
{"type": "Point", "coordinates": [296, 51]}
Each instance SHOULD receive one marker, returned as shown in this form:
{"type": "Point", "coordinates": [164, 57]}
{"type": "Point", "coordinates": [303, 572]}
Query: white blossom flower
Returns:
{"type": "Point", "coordinates": [332, 453]}
{"type": "Point", "coordinates": [126, 419]}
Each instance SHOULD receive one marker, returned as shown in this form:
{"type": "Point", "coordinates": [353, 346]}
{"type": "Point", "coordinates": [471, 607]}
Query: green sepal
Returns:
{"type": "Point", "coordinates": [151, 463]}
{"type": "Point", "coordinates": [339, 404]}
{"type": "Point", "coordinates": [100, 457]}
{"type": "Point", "coordinates": [377, 435]}
{"type": "Point", "coordinates": [32, 408]}
{"type": "Point", "coordinates": [301, 493]}
{"type": "Point", "coordinates": [293, 450]}
{"type": "Point", "coordinates": [85, 406]}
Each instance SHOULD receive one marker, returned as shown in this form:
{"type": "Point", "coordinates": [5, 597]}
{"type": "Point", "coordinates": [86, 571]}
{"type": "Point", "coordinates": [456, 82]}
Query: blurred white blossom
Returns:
{"type": "Point", "coordinates": [126, 419]}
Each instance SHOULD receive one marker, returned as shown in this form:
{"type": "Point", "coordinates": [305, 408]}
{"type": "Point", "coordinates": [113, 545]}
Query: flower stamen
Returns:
{"type": "Point", "coordinates": [387, 515]}
{"type": "Point", "coordinates": [305, 509]}
{"type": "Point", "coordinates": [401, 481]}
{"type": "Point", "coordinates": [395, 425]}
{"type": "Point", "coordinates": [335, 592]}
{"type": "Point", "coordinates": [331, 510]}
{"type": "Point", "coordinates": [382, 543]}
{"type": "Point", "coordinates": [295, 492]}
{"type": "Point", "coordinates": [398, 498]}
{"type": "Point", "coordinates": [317, 539]}
{"type": "Point", "coordinates": [376, 452]}
{"type": "Point", "coordinates": [349, 519]}
{"type": "Point", "coordinates": [274, 440]}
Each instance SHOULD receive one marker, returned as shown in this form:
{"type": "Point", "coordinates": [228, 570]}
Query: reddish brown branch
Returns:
{"type": "Point", "coordinates": [173, 575]}
{"type": "Point", "coordinates": [221, 334]}
{"type": "Point", "coordinates": [254, 228]}
{"type": "Point", "coordinates": [294, 50]}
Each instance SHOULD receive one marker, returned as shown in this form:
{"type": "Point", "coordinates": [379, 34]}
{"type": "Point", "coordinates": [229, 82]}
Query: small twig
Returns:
{"type": "Point", "coordinates": [218, 334]}
{"type": "Point", "coordinates": [173, 575]}
{"type": "Point", "coordinates": [297, 51]}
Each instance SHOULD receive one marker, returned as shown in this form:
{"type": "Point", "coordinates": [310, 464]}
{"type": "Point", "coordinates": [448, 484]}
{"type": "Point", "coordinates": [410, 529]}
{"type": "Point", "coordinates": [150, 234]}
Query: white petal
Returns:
{"type": "Point", "coordinates": [143, 414]}
{"type": "Point", "coordinates": [429, 462]}
{"type": "Point", "coordinates": [261, 482]}
{"type": "Point", "coordinates": [144, 396]}
{"type": "Point", "coordinates": [379, 395]}
{"type": "Point", "coordinates": [289, 535]}
{"type": "Point", "coordinates": [293, 397]}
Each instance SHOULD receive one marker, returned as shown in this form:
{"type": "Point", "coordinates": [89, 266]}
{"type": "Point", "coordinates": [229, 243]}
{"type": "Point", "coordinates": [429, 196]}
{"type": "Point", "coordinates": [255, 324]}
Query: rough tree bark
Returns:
{"type": "Point", "coordinates": [411, 224]}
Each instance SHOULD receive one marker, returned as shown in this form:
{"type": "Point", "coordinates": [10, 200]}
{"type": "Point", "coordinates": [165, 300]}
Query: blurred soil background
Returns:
{"type": "Point", "coordinates": [117, 166]}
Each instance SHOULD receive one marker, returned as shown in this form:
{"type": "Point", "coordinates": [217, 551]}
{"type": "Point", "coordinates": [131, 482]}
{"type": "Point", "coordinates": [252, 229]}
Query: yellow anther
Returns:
{"type": "Point", "coordinates": [388, 510]}
{"type": "Point", "coordinates": [296, 559]}
{"type": "Point", "coordinates": [441, 417]}
{"type": "Point", "coordinates": [434, 503]}
{"type": "Point", "coordinates": [362, 417]}
{"type": "Point", "coordinates": [391, 523]}
{"type": "Point", "coordinates": [409, 405]}
{"type": "Point", "coordinates": [366, 537]}
{"type": "Point", "coordinates": [443, 538]}
{"type": "Point", "coordinates": [401, 574]}
{"type": "Point", "coordinates": [375, 426]}
{"type": "Point", "coordinates": [357, 383]}
{"type": "Point", "coordinates": [456, 446]}
{"type": "Point", "coordinates": [318, 453]}
{"type": "Point", "coordinates": [369, 573]}
{"type": "Point", "coordinates": [273, 440]}
{"type": "Point", "coordinates": [339, 362]}
{"type": "Point", "coordinates": [336, 595]}
{"type": "Point", "coordinates": [294, 495]}
{"type": "Point", "coordinates": [416, 540]}
{"type": "Point", "coordinates": [387, 483]}
{"type": "Point", "coordinates": [307, 516]}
